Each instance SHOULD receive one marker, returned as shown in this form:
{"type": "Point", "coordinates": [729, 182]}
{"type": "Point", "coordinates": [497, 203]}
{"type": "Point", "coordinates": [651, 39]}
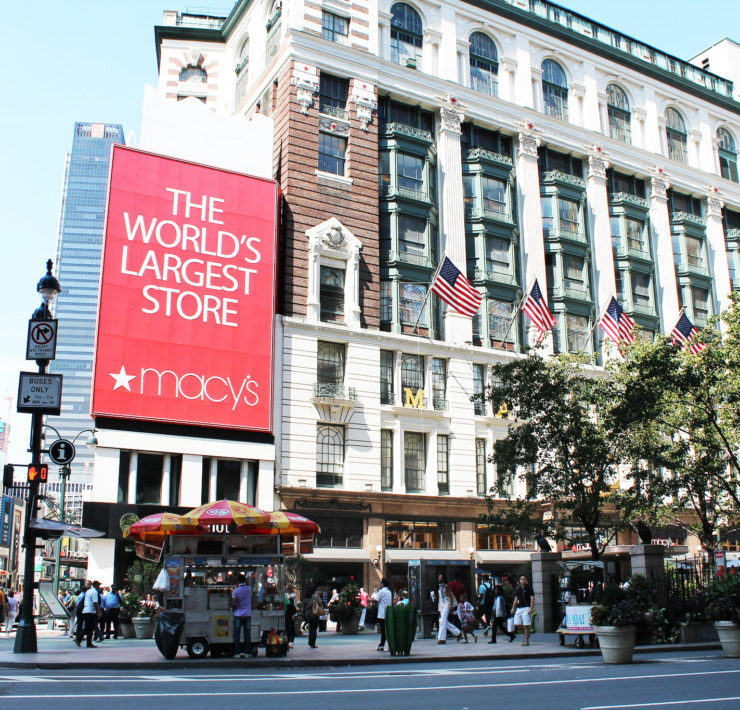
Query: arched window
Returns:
{"type": "Point", "coordinates": [412, 372]}
{"type": "Point", "coordinates": [414, 457]}
{"type": "Point", "coordinates": [554, 90]}
{"type": "Point", "coordinates": [727, 155]}
{"type": "Point", "coordinates": [618, 108]}
{"type": "Point", "coordinates": [193, 74]}
{"type": "Point", "coordinates": [242, 72]}
{"type": "Point", "coordinates": [329, 455]}
{"type": "Point", "coordinates": [273, 30]}
{"type": "Point", "coordinates": [411, 301]}
{"type": "Point", "coordinates": [675, 134]}
{"type": "Point", "coordinates": [406, 35]}
{"type": "Point", "coordinates": [483, 64]}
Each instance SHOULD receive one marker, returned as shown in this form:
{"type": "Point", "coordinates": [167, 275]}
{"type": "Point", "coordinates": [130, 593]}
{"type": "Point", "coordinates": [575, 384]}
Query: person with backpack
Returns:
{"type": "Point", "coordinates": [312, 612]}
{"type": "Point", "coordinates": [499, 616]}
{"type": "Point", "coordinates": [485, 602]}
{"type": "Point", "coordinates": [112, 612]}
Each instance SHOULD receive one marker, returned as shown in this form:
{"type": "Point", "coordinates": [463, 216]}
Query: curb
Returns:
{"type": "Point", "coordinates": [219, 663]}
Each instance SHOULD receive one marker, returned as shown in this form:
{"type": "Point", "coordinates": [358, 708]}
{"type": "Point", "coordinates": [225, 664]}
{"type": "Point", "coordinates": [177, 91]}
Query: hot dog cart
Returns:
{"type": "Point", "coordinates": [202, 572]}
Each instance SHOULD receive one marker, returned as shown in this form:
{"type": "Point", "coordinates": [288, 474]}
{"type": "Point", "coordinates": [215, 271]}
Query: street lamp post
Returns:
{"type": "Point", "coordinates": [25, 638]}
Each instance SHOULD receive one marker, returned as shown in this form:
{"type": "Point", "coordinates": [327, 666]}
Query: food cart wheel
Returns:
{"type": "Point", "coordinates": [562, 639]}
{"type": "Point", "coordinates": [197, 648]}
{"type": "Point", "coordinates": [580, 643]}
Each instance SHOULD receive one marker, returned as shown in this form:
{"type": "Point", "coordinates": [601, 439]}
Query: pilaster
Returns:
{"type": "Point", "coordinates": [717, 252]}
{"type": "Point", "coordinates": [663, 247]}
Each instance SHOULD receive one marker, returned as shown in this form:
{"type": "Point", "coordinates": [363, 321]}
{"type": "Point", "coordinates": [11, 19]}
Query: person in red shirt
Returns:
{"type": "Point", "coordinates": [457, 587]}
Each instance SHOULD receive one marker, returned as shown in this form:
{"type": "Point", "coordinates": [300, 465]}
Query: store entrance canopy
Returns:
{"type": "Point", "coordinates": [53, 529]}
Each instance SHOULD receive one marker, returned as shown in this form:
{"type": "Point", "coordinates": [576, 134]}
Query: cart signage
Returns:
{"type": "Point", "coordinates": [578, 618]}
{"type": "Point", "coordinates": [187, 303]}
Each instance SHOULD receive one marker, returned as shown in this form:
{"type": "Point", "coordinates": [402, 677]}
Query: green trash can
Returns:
{"type": "Point", "coordinates": [400, 628]}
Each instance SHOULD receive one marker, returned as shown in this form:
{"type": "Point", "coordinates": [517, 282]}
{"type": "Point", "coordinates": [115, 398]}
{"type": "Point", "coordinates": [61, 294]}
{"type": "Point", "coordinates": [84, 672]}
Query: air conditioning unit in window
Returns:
{"type": "Point", "coordinates": [410, 62]}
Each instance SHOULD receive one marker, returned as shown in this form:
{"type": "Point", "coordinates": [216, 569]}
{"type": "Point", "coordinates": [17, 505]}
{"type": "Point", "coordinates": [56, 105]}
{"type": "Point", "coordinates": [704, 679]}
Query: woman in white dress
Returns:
{"type": "Point", "coordinates": [445, 601]}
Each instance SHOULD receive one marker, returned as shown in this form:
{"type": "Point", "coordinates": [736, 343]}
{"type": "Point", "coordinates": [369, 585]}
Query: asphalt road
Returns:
{"type": "Point", "coordinates": [675, 680]}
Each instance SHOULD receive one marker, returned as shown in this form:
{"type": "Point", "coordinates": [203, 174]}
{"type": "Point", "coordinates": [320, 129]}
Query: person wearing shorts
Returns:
{"type": "Point", "coordinates": [523, 607]}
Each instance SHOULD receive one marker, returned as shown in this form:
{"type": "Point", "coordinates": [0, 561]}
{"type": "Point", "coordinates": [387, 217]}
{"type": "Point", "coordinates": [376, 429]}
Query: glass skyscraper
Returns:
{"type": "Point", "coordinates": [79, 251]}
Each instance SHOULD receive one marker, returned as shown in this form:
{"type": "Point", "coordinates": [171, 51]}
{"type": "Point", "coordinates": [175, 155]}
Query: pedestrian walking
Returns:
{"type": "Point", "coordinates": [445, 604]}
{"type": "Point", "coordinates": [312, 612]}
{"type": "Point", "coordinates": [11, 612]}
{"type": "Point", "coordinates": [465, 613]}
{"type": "Point", "coordinates": [290, 610]}
{"type": "Point", "coordinates": [499, 615]}
{"type": "Point", "coordinates": [363, 603]}
{"type": "Point", "coordinates": [385, 599]}
{"type": "Point", "coordinates": [112, 612]}
{"type": "Point", "coordinates": [523, 607]}
{"type": "Point", "coordinates": [485, 602]}
{"type": "Point", "coordinates": [241, 603]}
{"type": "Point", "coordinates": [91, 613]}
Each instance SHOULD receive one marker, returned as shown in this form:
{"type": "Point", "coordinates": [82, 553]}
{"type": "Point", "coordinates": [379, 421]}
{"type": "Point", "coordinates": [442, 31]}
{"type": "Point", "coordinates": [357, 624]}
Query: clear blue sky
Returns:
{"type": "Point", "coordinates": [87, 60]}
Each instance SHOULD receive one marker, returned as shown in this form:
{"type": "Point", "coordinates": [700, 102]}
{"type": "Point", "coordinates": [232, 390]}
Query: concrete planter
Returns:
{"type": "Point", "coordinates": [729, 637]}
{"type": "Point", "coordinates": [144, 627]}
{"type": "Point", "coordinates": [616, 642]}
{"type": "Point", "coordinates": [127, 630]}
{"type": "Point", "coordinates": [351, 626]}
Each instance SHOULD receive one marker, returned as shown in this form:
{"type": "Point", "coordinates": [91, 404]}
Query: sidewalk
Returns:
{"type": "Point", "coordinates": [57, 652]}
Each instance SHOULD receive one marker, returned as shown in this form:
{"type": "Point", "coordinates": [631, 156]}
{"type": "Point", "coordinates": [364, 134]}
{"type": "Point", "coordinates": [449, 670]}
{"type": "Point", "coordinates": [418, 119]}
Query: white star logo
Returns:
{"type": "Point", "coordinates": [122, 379]}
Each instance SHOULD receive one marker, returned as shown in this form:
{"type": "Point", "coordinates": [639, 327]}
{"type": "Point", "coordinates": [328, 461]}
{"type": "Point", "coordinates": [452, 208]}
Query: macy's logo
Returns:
{"type": "Point", "coordinates": [191, 385]}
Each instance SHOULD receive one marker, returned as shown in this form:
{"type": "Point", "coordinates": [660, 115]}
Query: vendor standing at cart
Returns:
{"type": "Point", "coordinates": [241, 603]}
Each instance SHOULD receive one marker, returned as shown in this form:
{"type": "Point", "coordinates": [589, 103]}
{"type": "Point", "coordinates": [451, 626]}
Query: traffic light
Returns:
{"type": "Point", "coordinates": [8, 476]}
{"type": "Point", "coordinates": [38, 473]}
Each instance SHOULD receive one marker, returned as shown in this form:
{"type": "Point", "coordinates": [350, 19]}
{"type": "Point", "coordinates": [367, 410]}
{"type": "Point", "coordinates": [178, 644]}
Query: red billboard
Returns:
{"type": "Point", "coordinates": [187, 298]}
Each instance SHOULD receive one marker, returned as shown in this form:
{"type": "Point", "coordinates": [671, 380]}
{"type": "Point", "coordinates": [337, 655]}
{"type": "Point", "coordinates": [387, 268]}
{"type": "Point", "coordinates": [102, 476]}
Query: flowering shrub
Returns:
{"type": "Point", "coordinates": [621, 613]}
{"type": "Point", "coordinates": [724, 600]}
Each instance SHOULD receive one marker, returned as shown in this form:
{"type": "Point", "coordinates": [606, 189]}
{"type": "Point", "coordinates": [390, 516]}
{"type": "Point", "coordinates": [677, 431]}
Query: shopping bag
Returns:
{"type": "Point", "coordinates": [162, 583]}
{"type": "Point", "coordinates": [510, 625]}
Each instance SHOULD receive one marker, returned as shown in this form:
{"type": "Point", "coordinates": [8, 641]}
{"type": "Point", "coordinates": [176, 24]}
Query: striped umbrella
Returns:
{"type": "Point", "coordinates": [163, 523]}
{"type": "Point", "coordinates": [225, 512]}
{"type": "Point", "coordinates": [283, 523]}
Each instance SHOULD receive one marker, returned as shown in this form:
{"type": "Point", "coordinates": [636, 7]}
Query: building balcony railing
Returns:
{"type": "Point", "coordinates": [576, 294]}
{"type": "Point", "coordinates": [643, 309]}
{"type": "Point", "coordinates": [440, 404]}
{"type": "Point", "coordinates": [341, 113]}
{"type": "Point", "coordinates": [552, 176]}
{"type": "Point", "coordinates": [390, 192]}
{"type": "Point", "coordinates": [334, 402]}
{"type": "Point", "coordinates": [407, 257]}
{"type": "Point", "coordinates": [477, 213]}
{"type": "Point", "coordinates": [553, 234]}
{"type": "Point", "coordinates": [391, 129]}
{"type": "Point", "coordinates": [580, 25]}
{"type": "Point", "coordinates": [479, 408]}
{"type": "Point", "coordinates": [501, 277]}
{"type": "Point", "coordinates": [732, 234]}
{"type": "Point", "coordinates": [688, 218]}
{"type": "Point", "coordinates": [388, 397]}
{"type": "Point", "coordinates": [333, 391]}
{"type": "Point", "coordinates": [625, 198]}
{"type": "Point", "coordinates": [476, 154]}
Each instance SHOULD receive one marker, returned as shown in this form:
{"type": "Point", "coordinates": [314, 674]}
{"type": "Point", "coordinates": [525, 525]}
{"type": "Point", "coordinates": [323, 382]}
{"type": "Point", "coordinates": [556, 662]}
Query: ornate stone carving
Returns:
{"type": "Point", "coordinates": [715, 203]}
{"type": "Point", "coordinates": [528, 141]}
{"type": "Point", "coordinates": [597, 163]}
{"type": "Point", "coordinates": [340, 128]}
{"type": "Point", "coordinates": [363, 97]}
{"type": "Point", "coordinates": [659, 184]}
{"type": "Point", "coordinates": [305, 79]}
{"type": "Point", "coordinates": [451, 114]}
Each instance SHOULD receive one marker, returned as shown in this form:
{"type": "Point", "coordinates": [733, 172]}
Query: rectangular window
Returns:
{"type": "Point", "coordinates": [500, 314]}
{"type": "Point", "coordinates": [497, 255]}
{"type": "Point", "coordinates": [330, 362]}
{"type": "Point", "coordinates": [635, 230]}
{"type": "Point", "coordinates": [479, 381]}
{"type": "Point", "coordinates": [641, 289]}
{"type": "Point", "coordinates": [469, 193]}
{"type": "Point", "coordinates": [700, 304]}
{"type": "Point", "coordinates": [338, 532]}
{"type": "Point", "coordinates": [412, 372]}
{"type": "Point", "coordinates": [480, 467]}
{"type": "Point", "coordinates": [333, 94]}
{"type": "Point", "coordinates": [410, 172]}
{"type": "Point", "coordinates": [619, 279]}
{"type": "Point", "coordinates": [547, 218]}
{"type": "Point", "coordinates": [386, 459]}
{"type": "Point", "coordinates": [414, 457]}
{"type": "Point", "coordinates": [205, 480]}
{"type": "Point", "coordinates": [331, 294]}
{"type": "Point", "coordinates": [124, 464]}
{"type": "Point", "coordinates": [694, 252]}
{"type": "Point", "coordinates": [175, 477]}
{"type": "Point", "coordinates": [443, 464]}
{"type": "Point", "coordinates": [332, 151]}
{"type": "Point", "coordinates": [384, 171]}
{"type": "Point", "coordinates": [149, 478]}
{"type": "Point", "coordinates": [329, 455]}
{"type": "Point", "coordinates": [228, 476]}
{"type": "Point", "coordinates": [568, 211]}
{"type": "Point", "coordinates": [412, 235]}
{"type": "Point", "coordinates": [574, 273]}
{"type": "Point", "coordinates": [386, 301]}
{"type": "Point", "coordinates": [494, 195]}
{"type": "Point", "coordinates": [578, 333]}
{"type": "Point", "coordinates": [439, 383]}
{"type": "Point", "coordinates": [420, 535]}
{"type": "Point", "coordinates": [387, 360]}
{"type": "Point", "coordinates": [334, 28]}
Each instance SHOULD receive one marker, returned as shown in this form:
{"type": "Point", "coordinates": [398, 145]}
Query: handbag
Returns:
{"type": "Point", "coordinates": [510, 626]}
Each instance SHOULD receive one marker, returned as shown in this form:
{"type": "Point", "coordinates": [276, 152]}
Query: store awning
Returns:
{"type": "Point", "coordinates": [53, 529]}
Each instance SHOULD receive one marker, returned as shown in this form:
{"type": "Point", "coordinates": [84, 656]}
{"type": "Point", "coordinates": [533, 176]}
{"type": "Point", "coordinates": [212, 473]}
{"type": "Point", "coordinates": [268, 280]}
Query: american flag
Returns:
{"type": "Point", "coordinates": [684, 332]}
{"type": "Point", "coordinates": [536, 308]}
{"type": "Point", "coordinates": [617, 324]}
{"type": "Point", "coordinates": [454, 289]}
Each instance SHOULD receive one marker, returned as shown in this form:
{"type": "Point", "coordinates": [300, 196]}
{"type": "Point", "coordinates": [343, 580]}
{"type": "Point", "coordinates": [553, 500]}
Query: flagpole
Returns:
{"type": "Point", "coordinates": [516, 313]}
{"type": "Point", "coordinates": [429, 292]}
{"type": "Point", "coordinates": [601, 315]}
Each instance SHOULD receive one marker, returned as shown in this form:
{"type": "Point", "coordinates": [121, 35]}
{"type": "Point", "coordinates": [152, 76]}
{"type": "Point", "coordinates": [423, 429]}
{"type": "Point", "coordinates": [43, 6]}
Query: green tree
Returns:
{"type": "Point", "coordinates": [682, 411]}
{"type": "Point", "coordinates": [562, 448]}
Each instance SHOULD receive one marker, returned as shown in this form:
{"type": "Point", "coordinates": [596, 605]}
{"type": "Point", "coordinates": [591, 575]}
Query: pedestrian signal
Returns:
{"type": "Point", "coordinates": [8, 476]}
{"type": "Point", "coordinates": [38, 473]}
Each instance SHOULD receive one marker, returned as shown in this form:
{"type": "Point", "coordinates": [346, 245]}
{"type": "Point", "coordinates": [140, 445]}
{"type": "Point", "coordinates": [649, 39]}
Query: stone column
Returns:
{"type": "Point", "coordinates": [132, 477]}
{"type": "Point", "coordinates": [458, 328]}
{"type": "Point", "coordinates": [665, 271]}
{"type": "Point", "coordinates": [720, 269]}
{"type": "Point", "coordinates": [544, 567]}
{"type": "Point", "coordinates": [647, 560]}
{"type": "Point", "coordinates": [601, 237]}
{"type": "Point", "coordinates": [530, 219]}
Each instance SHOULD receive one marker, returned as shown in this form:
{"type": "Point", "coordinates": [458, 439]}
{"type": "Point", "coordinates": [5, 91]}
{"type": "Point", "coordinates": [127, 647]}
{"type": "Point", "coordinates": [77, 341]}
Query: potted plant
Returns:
{"type": "Point", "coordinates": [723, 607]}
{"type": "Point", "coordinates": [129, 608]}
{"type": "Point", "coordinates": [348, 609]}
{"type": "Point", "coordinates": [615, 620]}
{"type": "Point", "coordinates": [144, 619]}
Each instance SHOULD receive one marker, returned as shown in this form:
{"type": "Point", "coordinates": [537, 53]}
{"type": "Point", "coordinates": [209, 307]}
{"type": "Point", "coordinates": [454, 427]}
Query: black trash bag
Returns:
{"type": "Point", "coordinates": [167, 634]}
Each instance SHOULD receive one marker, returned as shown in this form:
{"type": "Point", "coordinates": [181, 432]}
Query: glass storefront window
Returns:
{"type": "Point", "coordinates": [420, 535]}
